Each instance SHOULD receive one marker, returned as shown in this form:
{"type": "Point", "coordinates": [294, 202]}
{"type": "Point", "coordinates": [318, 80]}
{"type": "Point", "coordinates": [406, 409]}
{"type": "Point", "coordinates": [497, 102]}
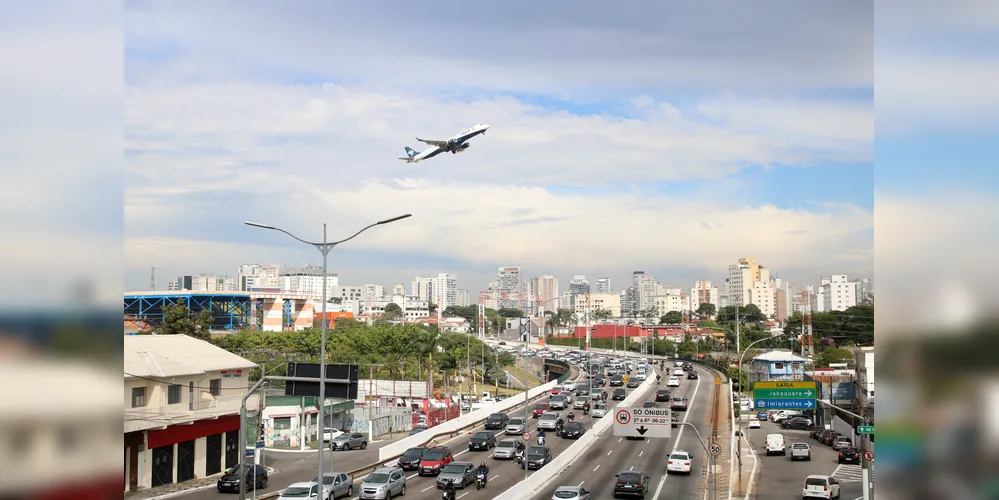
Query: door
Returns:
{"type": "Point", "coordinates": [231, 449]}
{"type": "Point", "coordinates": [185, 461]}
{"type": "Point", "coordinates": [213, 454]}
{"type": "Point", "coordinates": [162, 465]}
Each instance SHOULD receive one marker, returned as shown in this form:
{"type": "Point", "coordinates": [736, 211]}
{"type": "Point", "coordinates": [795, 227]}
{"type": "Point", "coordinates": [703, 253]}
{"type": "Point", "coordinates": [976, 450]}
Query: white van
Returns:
{"type": "Point", "coordinates": [775, 445]}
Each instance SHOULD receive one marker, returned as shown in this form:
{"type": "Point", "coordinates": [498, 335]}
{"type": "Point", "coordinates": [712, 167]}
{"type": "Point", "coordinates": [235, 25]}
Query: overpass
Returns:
{"type": "Point", "coordinates": [267, 310]}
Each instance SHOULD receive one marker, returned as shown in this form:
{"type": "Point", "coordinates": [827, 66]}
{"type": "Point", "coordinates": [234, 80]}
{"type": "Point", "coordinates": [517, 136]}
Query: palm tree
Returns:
{"type": "Point", "coordinates": [651, 314]}
{"type": "Point", "coordinates": [602, 314]}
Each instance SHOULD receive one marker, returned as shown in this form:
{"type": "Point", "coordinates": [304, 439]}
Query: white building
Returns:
{"type": "Point", "coordinates": [647, 288]}
{"type": "Point", "coordinates": [206, 282]}
{"type": "Point", "coordinates": [703, 293]}
{"type": "Point", "coordinates": [672, 300]}
{"type": "Point", "coordinates": [182, 400]}
{"type": "Point", "coordinates": [542, 289]}
{"type": "Point", "coordinates": [603, 285]}
{"type": "Point", "coordinates": [309, 280]}
{"type": "Point", "coordinates": [763, 295]}
{"type": "Point", "coordinates": [838, 293]}
{"type": "Point", "coordinates": [79, 439]}
{"type": "Point", "coordinates": [741, 278]}
{"type": "Point", "coordinates": [598, 301]}
{"type": "Point", "coordinates": [412, 307]}
{"type": "Point", "coordinates": [863, 359]}
{"type": "Point", "coordinates": [441, 289]}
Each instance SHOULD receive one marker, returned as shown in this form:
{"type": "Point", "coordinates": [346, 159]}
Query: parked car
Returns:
{"type": "Point", "coordinates": [801, 451]}
{"type": "Point", "coordinates": [383, 483]}
{"type": "Point", "coordinates": [410, 459]}
{"type": "Point", "coordinates": [462, 473]}
{"type": "Point", "coordinates": [830, 437]}
{"type": "Point", "coordinates": [800, 423]}
{"type": "Point", "coordinates": [814, 433]}
{"type": "Point", "coordinates": [842, 441]}
{"type": "Point", "coordinates": [849, 455]}
{"type": "Point", "coordinates": [496, 421]}
{"type": "Point", "coordinates": [256, 477]}
{"type": "Point", "coordinates": [434, 460]}
{"type": "Point", "coordinates": [482, 441]}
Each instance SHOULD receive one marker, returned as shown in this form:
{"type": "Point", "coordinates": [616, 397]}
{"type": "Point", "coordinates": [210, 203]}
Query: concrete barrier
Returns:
{"type": "Point", "coordinates": [452, 426]}
{"type": "Point", "coordinates": [542, 478]}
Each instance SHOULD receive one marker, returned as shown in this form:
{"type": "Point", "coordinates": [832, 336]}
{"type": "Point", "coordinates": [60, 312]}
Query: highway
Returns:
{"type": "Point", "coordinates": [778, 478]}
{"type": "Point", "coordinates": [610, 455]}
{"type": "Point", "coordinates": [503, 474]}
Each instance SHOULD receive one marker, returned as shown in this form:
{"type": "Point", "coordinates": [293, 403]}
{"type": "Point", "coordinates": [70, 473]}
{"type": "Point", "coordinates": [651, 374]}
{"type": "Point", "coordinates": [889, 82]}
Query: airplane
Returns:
{"type": "Point", "coordinates": [454, 145]}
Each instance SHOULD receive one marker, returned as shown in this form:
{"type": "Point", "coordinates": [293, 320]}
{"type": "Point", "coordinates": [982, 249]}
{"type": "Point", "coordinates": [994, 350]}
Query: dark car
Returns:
{"type": "Point", "coordinates": [632, 382]}
{"type": "Point", "coordinates": [692, 374]}
{"type": "Point", "coordinates": [688, 367]}
{"type": "Point", "coordinates": [650, 404]}
{"type": "Point", "coordinates": [537, 457]}
{"type": "Point", "coordinates": [829, 437]}
{"type": "Point", "coordinates": [819, 436]}
{"type": "Point", "coordinates": [573, 430]}
{"type": "Point", "coordinates": [849, 455]}
{"type": "Point", "coordinates": [497, 421]}
{"type": "Point", "coordinates": [619, 394]}
{"type": "Point", "coordinates": [482, 441]}
{"type": "Point", "coordinates": [617, 381]}
{"type": "Point", "coordinates": [662, 395]}
{"type": "Point", "coordinates": [418, 429]}
{"type": "Point", "coordinates": [631, 484]}
{"type": "Point", "coordinates": [599, 380]}
{"type": "Point", "coordinates": [256, 477]}
{"type": "Point", "coordinates": [814, 433]}
{"type": "Point", "coordinates": [800, 423]}
{"type": "Point", "coordinates": [410, 460]}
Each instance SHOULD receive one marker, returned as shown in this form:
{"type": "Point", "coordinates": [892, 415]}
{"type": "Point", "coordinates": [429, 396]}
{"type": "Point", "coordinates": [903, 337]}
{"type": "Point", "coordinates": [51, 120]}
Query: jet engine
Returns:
{"type": "Point", "coordinates": [461, 148]}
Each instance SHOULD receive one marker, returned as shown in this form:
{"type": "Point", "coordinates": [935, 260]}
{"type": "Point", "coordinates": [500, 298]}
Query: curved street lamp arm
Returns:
{"type": "Point", "coordinates": [273, 228]}
{"type": "Point", "coordinates": [379, 223]}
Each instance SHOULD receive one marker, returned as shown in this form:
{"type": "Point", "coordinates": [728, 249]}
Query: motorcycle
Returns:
{"type": "Point", "coordinates": [571, 416]}
{"type": "Point", "coordinates": [480, 480]}
{"type": "Point", "coordinates": [448, 494]}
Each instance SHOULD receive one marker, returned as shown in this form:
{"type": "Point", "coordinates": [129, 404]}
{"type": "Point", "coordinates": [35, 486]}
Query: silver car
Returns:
{"type": "Point", "coordinates": [581, 402]}
{"type": "Point", "coordinates": [383, 483]}
{"type": "Point", "coordinates": [571, 493]}
{"type": "Point", "coordinates": [462, 473]}
{"type": "Point", "coordinates": [549, 421]}
{"type": "Point", "coordinates": [505, 449]}
{"type": "Point", "coordinates": [337, 484]}
{"type": "Point", "coordinates": [515, 426]}
{"type": "Point", "coordinates": [599, 410]}
{"type": "Point", "coordinates": [801, 451]}
{"type": "Point", "coordinates": [349, 441]}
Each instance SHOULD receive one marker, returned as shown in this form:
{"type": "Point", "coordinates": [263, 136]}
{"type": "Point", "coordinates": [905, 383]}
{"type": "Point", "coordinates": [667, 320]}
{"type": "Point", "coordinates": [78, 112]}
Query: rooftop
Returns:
{"type": "Point", "coordinates": [166, 356]}
{"type": "Point", "coordinates": [779, 356]}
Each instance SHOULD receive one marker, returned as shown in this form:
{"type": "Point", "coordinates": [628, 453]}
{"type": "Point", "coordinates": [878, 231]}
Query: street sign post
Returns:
{"type": "Point", "coordinates": [715, 449]}
{"type": "Point", "coordinates": [643, 422]}
{"type": "Point", "coordinates": [869, 456]}
{"type": "Point", "coordinates": [526, 436]}
{"type": "Point", "coordinates": [865, 429]}
{"type": "Point", "coordinates": [779, 395]}
{"type": "Point", "coordinates": [717, 380]}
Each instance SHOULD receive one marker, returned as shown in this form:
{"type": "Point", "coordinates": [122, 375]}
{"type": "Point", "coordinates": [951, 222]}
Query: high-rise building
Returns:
{"type": "Point", "coordinates": [741, 278]}
{"type": "Point", "coordinates": [578, 286]}
{"type": "Point", "coordinates": [865, 292]}
{"type": "Point", "coordinates": [541, 291]}
{"type": "Point", "coordinates": [441, 290]}
{"type": "Point", "coordinates": [629, 301]}
{"type": "Point", "coordinates": [647, 288]}
{"type": "Point", "coordinates": [399, 289]}
{"type": "Point", "coordinates": [703, 293]}
{"type": "Point", "coordinates": [603, 285]}
{"type": "Point", "coordinates": [509, 284]}
{"type": "Point", "coordinates": [309, 279]}
{"type": "Point", "coordinates": [838, 293]}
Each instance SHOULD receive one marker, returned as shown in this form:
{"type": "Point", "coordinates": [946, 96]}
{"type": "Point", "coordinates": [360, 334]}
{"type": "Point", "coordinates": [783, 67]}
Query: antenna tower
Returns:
{"type": "Point", "coordinates": [152, 279]}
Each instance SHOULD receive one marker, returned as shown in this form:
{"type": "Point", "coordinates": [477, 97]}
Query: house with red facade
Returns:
{"type": "Point", "coordinates": [182, 403]}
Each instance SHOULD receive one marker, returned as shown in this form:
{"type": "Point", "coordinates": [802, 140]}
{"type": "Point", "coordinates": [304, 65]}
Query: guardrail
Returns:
{"type": "Point", "coordinates": [540, 479]}
{"type": "Point", "coordinates": [714, 366]}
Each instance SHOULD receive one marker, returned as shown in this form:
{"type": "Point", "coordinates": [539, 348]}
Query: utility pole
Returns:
{"type": "Point", "coordinates": [867, 473]}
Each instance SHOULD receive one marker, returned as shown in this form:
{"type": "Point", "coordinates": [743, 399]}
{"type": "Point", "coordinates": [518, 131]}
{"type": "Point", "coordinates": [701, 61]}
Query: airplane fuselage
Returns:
{"type": "Point", "coordinates": [454, 145]}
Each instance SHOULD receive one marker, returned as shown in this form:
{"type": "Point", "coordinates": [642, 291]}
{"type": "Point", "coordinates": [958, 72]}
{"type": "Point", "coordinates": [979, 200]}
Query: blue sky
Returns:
{"type": "Point", "coordinates": [704, 138]}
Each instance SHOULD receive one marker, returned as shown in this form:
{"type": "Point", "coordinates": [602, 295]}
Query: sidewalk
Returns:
{"type": "Point", "coordinates": [178, 489]}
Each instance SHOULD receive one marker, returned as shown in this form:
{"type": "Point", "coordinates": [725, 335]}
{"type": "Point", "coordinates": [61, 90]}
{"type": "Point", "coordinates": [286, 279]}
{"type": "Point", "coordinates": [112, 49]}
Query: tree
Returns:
{"type": "Point", "coordinates": [751, 314]}
{"type": "Point", "coordinates": [706, 310]}
{"type": "Point", "coordinates": [834, 355]}
{"type": "Point", "coordinates": [432, 307]}
{"type": "Point", "coordinates": [650, 314]}
{"type": "Point", "coordinates": [671, 318]}
{"type": "Point", "coordinates": [602, 314]}
{"type": "Point", "coordinates": [179, 320]}
{"type": "Point", "coordinates": [511, 312]}
{"type": "Point", "coordinates": [392, 312]}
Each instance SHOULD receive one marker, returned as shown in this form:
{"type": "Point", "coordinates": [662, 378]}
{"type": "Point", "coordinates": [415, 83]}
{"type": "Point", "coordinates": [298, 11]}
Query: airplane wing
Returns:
{"type": "Point", "coordinates": [439, 144]}
{"type": "Point", "coordinates": [408, 159]}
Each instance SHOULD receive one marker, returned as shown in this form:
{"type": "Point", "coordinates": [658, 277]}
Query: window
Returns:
{"type": "Point", "coordinates": [173, 394]}
{"type": "Point", "coordinates": [138, 397]}
{"type": "Point", "coordinates": [778, 366]}
{"type": "Point", "coordinates": [282, 423]}
{"type": "Point", "coordinates": [215, 386]}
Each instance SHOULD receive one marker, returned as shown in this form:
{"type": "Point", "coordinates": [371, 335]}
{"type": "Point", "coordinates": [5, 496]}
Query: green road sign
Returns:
{"type": "Point", "coordinates": [784, 393]}
{"type": "Point", "coordinates": [865, 429]}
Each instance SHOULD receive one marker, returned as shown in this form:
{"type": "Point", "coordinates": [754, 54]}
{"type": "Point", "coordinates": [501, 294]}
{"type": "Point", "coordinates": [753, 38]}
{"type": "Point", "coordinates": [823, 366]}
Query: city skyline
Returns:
{"type": "Point", "coordinates": [600, 173]}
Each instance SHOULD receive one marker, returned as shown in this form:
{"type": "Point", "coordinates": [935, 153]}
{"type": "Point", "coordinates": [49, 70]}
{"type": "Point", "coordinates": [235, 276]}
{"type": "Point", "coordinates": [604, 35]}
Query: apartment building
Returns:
{"type": "Point", "coordinates": [603, 285]}
{"type": "Point", "coordinates": [703, 292]}
{"type": "Point", "coordinates": [597, 302]}
{"type": "Point", "coordinates": [182, 399]}
{"type": "Point", "coordinates": [838, 293]}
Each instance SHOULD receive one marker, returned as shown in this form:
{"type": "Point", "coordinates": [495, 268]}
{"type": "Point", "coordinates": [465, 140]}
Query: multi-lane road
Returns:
{"type": "Point", "coordinates": [778, 478]}
{"type": "Point", "coordinates": [610, 455]}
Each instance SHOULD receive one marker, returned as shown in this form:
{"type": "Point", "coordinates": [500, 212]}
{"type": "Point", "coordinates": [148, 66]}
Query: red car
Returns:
{"type": "Point", "coordinates": [434, 460]}
{"type": "Point", "coordinates": [540, 409]}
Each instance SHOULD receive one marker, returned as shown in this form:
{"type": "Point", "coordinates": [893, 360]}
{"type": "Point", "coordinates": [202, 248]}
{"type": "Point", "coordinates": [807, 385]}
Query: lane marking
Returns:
{"type": "Point", "coordinates": [642, 453]}
{"type": "Point", "coordinates": [752, 474]}
{"type": "Point", "coordinates": [632, 468]}
{"type": "Point", "coordinates": [581, 483]}
{"type": "Point", "coordinates": [609, 452]}
{"type": "Point", "coordinates": [595, 468]}
{"type": "Point", "coordinates": [679, 434]}
{"type": "Point", "coordinates": [428, 488]}
{"type": "Point", "coordinates": [619, 440]}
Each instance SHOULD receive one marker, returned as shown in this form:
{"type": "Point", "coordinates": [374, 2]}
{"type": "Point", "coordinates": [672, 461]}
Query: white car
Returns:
{"type": "Point", "coordinates": [569, 386]}
{"type": "Point", "coordinates": [673, 382]}
{"type": "Point", "coordinates": [754, 423]}
{"type": "Point", "coordinates": [679, 462]}
{"type": "Point", "coordinates": [599, 410]}
{"type": "Point", "coordinates": [330, 434]}
{"type": "Point", "coordinates": [817, 486]}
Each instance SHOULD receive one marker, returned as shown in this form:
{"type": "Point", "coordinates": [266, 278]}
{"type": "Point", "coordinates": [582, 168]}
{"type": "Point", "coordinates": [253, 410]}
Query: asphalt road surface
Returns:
{"type": "Point", "coordinates": [611, 455]}
{"type": "Point", "coordinates": [778, 478]}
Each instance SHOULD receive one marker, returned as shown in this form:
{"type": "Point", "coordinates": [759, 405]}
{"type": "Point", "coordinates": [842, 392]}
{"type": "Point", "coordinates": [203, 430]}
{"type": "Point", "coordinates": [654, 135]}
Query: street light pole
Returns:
{"type": "Point", "coordinates": [324, 248]}
{"type": "Point", "coordinates": [741, 388]}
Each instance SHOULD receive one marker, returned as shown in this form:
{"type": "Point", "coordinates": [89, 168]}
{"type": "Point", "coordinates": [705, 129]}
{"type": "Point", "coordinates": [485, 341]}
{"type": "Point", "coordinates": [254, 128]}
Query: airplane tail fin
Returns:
{"type": "Point", "coordinates": [411, 152]}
